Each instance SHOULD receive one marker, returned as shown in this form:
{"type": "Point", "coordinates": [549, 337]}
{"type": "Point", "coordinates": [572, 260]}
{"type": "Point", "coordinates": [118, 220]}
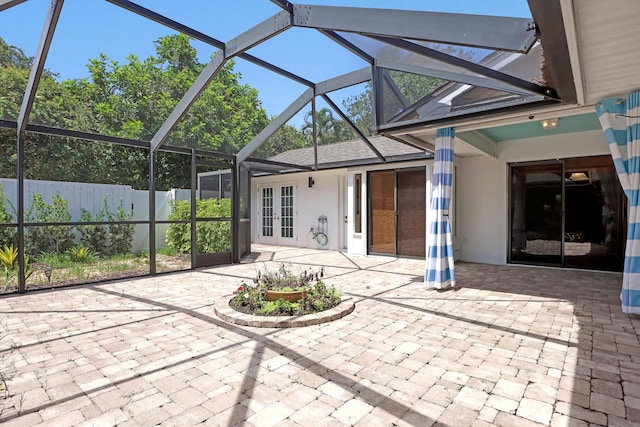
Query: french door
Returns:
{"type": "Point", "coordinates": [277, 214]}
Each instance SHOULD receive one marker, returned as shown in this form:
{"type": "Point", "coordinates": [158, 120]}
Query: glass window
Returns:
{"type": "Point", "coordinates": [357, 203]}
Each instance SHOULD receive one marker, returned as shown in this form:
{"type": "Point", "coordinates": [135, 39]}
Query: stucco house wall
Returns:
{"type": "Point", "coordinates": [323, 198]}
{"type": "Point", "coordinates": [483, 184]}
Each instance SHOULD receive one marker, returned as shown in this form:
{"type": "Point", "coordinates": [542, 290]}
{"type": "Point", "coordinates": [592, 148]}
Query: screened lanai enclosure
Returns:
{"type": "Point", "coordinates": [114, 115]}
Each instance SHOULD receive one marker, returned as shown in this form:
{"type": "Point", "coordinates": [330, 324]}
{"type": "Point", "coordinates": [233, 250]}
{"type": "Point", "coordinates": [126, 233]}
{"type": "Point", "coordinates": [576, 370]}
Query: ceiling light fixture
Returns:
{"type": "Point", "coordinates": [578, 177]}
{"type": "Point", "coordinates": [548, 124]}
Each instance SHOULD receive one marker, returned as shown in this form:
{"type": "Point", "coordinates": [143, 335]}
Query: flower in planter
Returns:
{"type": "Point", "coordinates": [316, 296]}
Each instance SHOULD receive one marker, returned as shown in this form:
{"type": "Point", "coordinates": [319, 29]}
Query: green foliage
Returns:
{"type": "Point", "coordinates": [211, 236]}
{"type": "Point", "coordinates": [114, 237]}
{"type": "Point", "coordinates": [130, 99]}
{"type": "Point", "coordinates": [328, 128]}
{"type": "Point", "coordinates": [279, 307]}
{"type": "Point", "coordinates": [7, 234]}
{"type": "Point", "coordinates": [81, 254]}
{"type": "Point", "coordinates": [94, 237]}
{"type": "Point", "coordinates": [55, 260]}
{"type": "Point", "coordinates": [9, 256]}
{"type": "Point", "coordinates": [120, 235]}
{"type": "Point", "coordinates": [251, 297]}
{"type": "Point", "coordinates": [48, 238]}
{"type": "Point", "coordinates": [284, 139]}
{"type": "Point", "coordinates": [9, 262]}
{"type": "Point", "coordinates": [12, 56]}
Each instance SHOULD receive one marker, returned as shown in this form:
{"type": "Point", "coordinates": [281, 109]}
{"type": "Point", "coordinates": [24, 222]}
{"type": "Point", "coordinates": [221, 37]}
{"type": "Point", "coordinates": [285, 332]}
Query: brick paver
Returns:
{"type": "Point", "coordinates": [511, 345]}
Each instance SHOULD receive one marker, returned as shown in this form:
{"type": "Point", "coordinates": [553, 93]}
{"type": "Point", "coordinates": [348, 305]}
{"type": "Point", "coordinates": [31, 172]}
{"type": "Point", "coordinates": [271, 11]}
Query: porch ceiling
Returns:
{"type": "Point", "coordinates": [600, 39]}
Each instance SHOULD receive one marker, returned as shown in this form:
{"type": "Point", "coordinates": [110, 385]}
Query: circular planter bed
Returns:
{"type": "Point", "coordinates": [275, 299]}
{"type": "Point", "coordinates": [228, 314]}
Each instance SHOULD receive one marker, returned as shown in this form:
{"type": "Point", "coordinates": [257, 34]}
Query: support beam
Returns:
{"type": "Point", "coordinates": [354, 127]}
{"type": "Point", "coordinates": [284, 4]}
{"type": "Point", "coordinates": [452, 74]}
{"type": "Point", "coordinates": [152, 213]}
{"type": "Point", "coordinates": [278, 165]}
{"type": "Point", "coordinates": [275, 124]}
{"type": "Point", "coordinates": [395, 90]}
{"type": "Point", "coordinates": [21, 214]}
{"type": "Point", "coordinates": [346, 80]}
{"type": "Point", "coordinates": [488, 32]}
{"type": "Point", "coordinates": [38, 63]}
{"type": "Point", "coordinates": [555, 22]}
{"type": "Point", "coordinates": [258, 34]}
{"type": "Point", "coordinates": [170, 23]}
{"type": "Point", "coordinates": [284, 73]}
{"type": "Point", "coordinates": [167, 22]}
{"type": "Point", "coordinates": [414, 142]}
{"type": "Point", "coordinates": [314, 132]}
{"type": "Point", "coordinates": [479, 140]}
{"type": "Point", "coordinates": [348, 45]}
{"type": "Point", "coordinates": [87, 136]}
{"type": "Point", "coordinates": [188, 99]}
{"type": "Point", "coordinates": [6, 4]}
{"type": "Point", "coordinates": [468, 65]}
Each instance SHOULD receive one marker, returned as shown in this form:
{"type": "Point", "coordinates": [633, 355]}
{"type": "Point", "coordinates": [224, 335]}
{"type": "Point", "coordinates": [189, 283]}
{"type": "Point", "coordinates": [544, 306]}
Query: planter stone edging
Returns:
{"type": "Point", "coordinates": [222, 309]}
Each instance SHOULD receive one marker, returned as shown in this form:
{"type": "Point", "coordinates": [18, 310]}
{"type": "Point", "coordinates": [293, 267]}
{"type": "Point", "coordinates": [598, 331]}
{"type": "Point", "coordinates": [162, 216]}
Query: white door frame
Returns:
{"type": "Point", "coordinates": [343, 213]}
{"type": "Point", "coordinates": [280, 225]}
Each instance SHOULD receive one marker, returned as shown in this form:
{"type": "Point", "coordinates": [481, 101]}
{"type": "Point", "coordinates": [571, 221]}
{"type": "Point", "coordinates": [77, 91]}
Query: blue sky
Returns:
{"type": "Point", "coordinates": [90, 27]}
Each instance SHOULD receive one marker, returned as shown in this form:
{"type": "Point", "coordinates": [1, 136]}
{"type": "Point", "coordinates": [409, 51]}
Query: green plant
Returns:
{"type": "Point", "coordinates": [7, 234]}
{"type": "Point", "coordinates": [9, 256]}
{"type": "Point", "coordinates": [120, 235]}
{"type": "Point", "coordinates": [9, 261]}
{"type": "Point", "coordinates": [211, 236]}
{"type": "Point", "coordinates": [166, 251]}
{"type": "Point", "coordinates": [54, 260]}
{"type": "Point", "coordinates": [81, 254]}
{"type": "Point", "coordinates": [279, 307]}
{"type": "Point", "coordinates": [94, 237]}
{"type": "Point", "coordinates": [48, 238]}
{"type": "Point", "coordinates": [251, 297]}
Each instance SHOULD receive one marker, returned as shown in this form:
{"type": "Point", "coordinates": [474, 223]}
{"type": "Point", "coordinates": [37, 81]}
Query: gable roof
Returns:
{"type": "Point", "coordinates": [353, 151]}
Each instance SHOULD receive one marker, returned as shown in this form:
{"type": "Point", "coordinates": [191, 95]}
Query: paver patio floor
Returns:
{"type": "Point", "coordinates": [511, 346]}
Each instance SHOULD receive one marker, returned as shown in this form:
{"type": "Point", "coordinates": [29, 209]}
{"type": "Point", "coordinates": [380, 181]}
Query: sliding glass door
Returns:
{"type": "Point", "coordinates": [536, 214]}
{"type": "Point", "coordinates": [397, 203]}
{"type": "Point", "coordinates": [568, 213]}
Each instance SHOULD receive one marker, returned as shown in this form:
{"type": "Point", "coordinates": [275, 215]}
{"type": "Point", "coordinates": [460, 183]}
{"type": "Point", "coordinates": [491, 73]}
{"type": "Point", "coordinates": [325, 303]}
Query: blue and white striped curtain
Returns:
{"type": "Point", "coordinates": [439, 272]}
{"type": "Point", "coordinates": [620, 120]}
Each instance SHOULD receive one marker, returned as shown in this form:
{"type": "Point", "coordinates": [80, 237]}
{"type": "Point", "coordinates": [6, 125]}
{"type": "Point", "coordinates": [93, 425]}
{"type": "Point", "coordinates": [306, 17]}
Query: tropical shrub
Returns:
{"type": "Point", "coordinates": [9, 262]}
{"type": "Point", "coordinates": [211, 236]}
{"type": "Point", "coordinates": [81, 254]}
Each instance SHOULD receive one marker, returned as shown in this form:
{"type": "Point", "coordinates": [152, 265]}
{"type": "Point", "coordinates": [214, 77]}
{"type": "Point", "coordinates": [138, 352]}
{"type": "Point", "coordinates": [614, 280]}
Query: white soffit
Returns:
{"type": "Point", "coordinates": [608, 34]}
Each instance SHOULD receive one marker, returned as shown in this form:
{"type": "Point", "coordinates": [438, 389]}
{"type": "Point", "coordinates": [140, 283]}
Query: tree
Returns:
{"type": "Point", "coordinates": [12, 56]}
{"type": "Point", "coordinates": [359, 109]}
{"type": "Point", "coordinates": [129, 100]}
{"type": "Point", "coordinates": [412, 87]}
{"type": "Point", "coordinates": [133, 100]}
{"type": "Point", "coordinates": [328, 128]}
{"type": "Point", "coordinates": [284, 139]}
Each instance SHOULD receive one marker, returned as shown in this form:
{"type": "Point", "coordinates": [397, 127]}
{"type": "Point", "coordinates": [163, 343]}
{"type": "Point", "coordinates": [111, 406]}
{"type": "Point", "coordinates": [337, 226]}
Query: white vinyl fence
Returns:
{"type": "Point", "coordinates": [91, 197]}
